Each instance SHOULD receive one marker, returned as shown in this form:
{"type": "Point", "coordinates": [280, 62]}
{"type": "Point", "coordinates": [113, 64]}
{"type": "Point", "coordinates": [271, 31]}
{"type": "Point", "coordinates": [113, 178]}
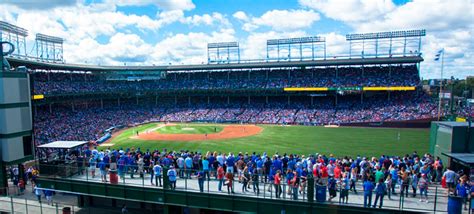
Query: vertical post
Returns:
{"type": "Point", "coordinates": [312, 50]}
{"type": "Point", "coordinates": [11, 203]}
{"type": "Point", "coordinates": [376, 47]}
{"type": "Point", "coordinates": [435, 199]}
{"type": "Point", "coordinates": [278, 51]}
{"type": "Point", "coordinates": [324, 49]}
{"type": "Point", "coordinates": [238, 54]}
{"type": "Point", "coordinates": [390, 48]}
{"type": "Point", "coordinates": [405, 46]}
{"type": "Point", "coordinates": [26, 206]}
{"type": "Point", "coordinates": [441, 85]}
{"type": "Point", "coordinates": [208, 57]}
{"type": "Point", "coordinates": [301, 51]}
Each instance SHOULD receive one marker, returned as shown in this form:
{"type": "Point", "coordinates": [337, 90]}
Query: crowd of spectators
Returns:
{"type": "Point", "coordinates": [69, 83]}
{"type": "Point", "coordinates": [409, 176]}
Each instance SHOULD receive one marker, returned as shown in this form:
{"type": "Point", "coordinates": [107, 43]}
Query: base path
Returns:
{"type": "Point", "coordinates": [229, 132]}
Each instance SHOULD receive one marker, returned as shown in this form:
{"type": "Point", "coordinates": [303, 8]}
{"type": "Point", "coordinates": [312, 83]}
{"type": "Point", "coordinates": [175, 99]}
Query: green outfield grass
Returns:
{"type": "Point", "coordinates": [190, 129]}
{"type": "Point", "coordinates": [340, 141]}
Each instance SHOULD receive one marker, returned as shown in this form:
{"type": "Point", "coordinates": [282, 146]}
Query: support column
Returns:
{"type": "Point", "coordinates": [312, 101]}
{"type": "Point", "coordinates": [289, 100]}
{"type": "Point", "coordinates": [228, 100]}
{"type": "Point", "coordinates": [118, 101]}
{"type": "Point", "coordinates": [156, 100]}
{"type": "Point", "coordinates": [176, 100]}
{"type": "Point", "coordinates": [289, 75]}
{"type": "Point", "coordinates": [228, 75]}
{"type": "Point", "coordinates": [101, 103]}
{"type": "Point", "coordinates": [266, 99]}
{"type": "Point", "coordinates": [248, 74]}
{"type": "Point", "coordinates": [50, 108]}
{"type": "Point", "coordinates": [362, 97]}
{"type": "Point", "coordinates": [72, 105]}
{"type": "Point", "coordinates": [189, 100]}
{"type": "Point", "coordinates": [388, 97]}
{"type": "Point", "coordinates": [137, 99]}
{"type": "Point", "coordinates": [336, 100]}
{"type": "Point", "coordinates": [248, 100]}
{"type": "Point", "coordinates": [266, 74]}
{"type": "Point", "coordinates": [87, 105]}
{"type": "Point", "coordinates": [208, 100]}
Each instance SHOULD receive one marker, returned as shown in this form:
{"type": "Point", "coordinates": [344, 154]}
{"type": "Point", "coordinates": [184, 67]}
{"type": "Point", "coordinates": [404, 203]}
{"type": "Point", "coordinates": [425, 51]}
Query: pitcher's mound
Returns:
{"type": "Point", "coordinates": [229, 132]}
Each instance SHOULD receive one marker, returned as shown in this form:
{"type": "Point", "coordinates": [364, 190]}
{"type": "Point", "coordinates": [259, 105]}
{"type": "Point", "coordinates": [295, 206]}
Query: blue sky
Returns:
{"type": "Point", "coordinates": [145, 32]}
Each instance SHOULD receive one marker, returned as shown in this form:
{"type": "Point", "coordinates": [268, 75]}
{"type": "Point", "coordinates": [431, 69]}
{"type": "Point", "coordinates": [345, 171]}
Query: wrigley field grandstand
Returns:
{"type": "Point", "coordinates": [297, 131]}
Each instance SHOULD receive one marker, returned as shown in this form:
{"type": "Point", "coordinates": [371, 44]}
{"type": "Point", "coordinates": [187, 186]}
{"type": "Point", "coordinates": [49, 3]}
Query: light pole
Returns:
{"type": "Point", "coordinates": [441, 84]}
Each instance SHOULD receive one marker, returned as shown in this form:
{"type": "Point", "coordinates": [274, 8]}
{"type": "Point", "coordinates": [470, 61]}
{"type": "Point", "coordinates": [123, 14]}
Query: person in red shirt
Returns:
{"type": "Point", "coordinates": [220, 177]}
{"type": "Point", "coordinates": [324, 175]}
{"type": "Point", "coordinates": [337, 173]}
{"type": "Point", "coordinates": [277, 183]}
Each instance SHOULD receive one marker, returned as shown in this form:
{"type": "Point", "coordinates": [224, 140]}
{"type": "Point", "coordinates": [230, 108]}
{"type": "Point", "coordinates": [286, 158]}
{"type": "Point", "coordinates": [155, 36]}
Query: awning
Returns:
{"type": "Point", "coordinates": [62, 144]}
{"type": "Point", "coordinates": [466, 159]}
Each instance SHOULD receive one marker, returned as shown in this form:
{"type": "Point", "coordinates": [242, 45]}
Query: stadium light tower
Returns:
{"type": "Point", "coordinates": [386, 44]}
{"type": "Point", "coordinates": [306, 48]}
{"type": "Point", "coordinates": [49, 48]}
{"type": "Point", "coordinates": [14, 35]}
{"type": "Point", "coordinates": [230, 50]}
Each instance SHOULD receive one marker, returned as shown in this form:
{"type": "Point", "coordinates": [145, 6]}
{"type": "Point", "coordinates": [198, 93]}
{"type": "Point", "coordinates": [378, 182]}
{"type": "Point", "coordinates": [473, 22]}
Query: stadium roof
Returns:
{"type": "Point", "coordinates": [328, 62]}
{"type": "Point", "coordinates": [62, 144]}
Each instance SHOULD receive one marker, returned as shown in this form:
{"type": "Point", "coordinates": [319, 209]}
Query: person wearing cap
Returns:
{"type": "Point", "coordinates": [423, 187]}
{"type": "Point", "coordinates": [172, 177]}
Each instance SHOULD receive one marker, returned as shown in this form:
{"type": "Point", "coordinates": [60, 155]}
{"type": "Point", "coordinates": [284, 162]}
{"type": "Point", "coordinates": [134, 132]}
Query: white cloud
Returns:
{"type": "Point", "coordinates": [281, 20]}
{"type": "Point", "coordinates": [207, 19]}
{"type": "Point", "coordinates": [240, 15]}
{"type": "Point", "coordinates": [121, 48]}
{"type": "Point", "coordinates": [350, 10]}
{"type": "Point", "coordinates": [188, 48]}
{"type": "Point", "coordinates": [162, 4]}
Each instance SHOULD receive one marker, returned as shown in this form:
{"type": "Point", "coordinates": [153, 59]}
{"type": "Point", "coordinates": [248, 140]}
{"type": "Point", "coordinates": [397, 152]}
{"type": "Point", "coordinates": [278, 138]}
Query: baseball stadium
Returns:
{"type": "Point", "coordinates": [300, 131]}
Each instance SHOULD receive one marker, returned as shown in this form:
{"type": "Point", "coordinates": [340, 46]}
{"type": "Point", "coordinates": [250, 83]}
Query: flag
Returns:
{"type": "Point", "coordinates": [438, 54]}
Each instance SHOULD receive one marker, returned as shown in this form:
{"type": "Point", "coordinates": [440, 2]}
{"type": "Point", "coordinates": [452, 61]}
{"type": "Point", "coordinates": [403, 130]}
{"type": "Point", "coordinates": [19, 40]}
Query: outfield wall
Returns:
{"type": "Point", "coordinates": [422, 123]}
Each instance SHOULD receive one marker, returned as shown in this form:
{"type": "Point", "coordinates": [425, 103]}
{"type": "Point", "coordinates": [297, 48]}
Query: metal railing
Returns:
{"type": "Point", "coordinates": [187, 180]}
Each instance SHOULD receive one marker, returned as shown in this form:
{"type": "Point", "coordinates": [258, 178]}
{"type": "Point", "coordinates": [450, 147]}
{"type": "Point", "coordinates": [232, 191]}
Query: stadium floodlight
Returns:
{"type": "Point", "coordinates": [301, 40]}
{"type": "Point", "coordinates": [223, 52]}
{"type": "Point", "coordinates": [386, 35]}
{"type": "Point", "coordinates": [14, 35]}
{"type": "Point", "coordinates": [7, 27]}
{"type": "Point", "coordinates": [51, 39]}
{"type": "Point", "coordinates": [223, 45]}
{"type": "Point", "coordinates": [305, 49]}
{"type": "Point", "coordinates": [388, 44]}
{"type": "Point", "coordinates": [49, 48]}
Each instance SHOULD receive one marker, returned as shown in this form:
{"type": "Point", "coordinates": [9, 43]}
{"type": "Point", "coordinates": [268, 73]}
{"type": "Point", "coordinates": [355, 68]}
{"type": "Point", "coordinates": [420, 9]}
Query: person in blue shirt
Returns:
{"type": "Point", "coordinates": [332, 188]}
{"type": "Point", "coordinates": [188, 163]}
{"type": "Point", "coordinates": [201, 176]}
{"type": "Point", "coordinates": [172, 177]}
{"type": "Point", "coordinates": [205, 168]}
{"type": "Point", "coordinates": [368, 187]}
{"type": "Point", "coordinates": [345, 186]}
{"type": "Point", "coordinates": [103, 170]}
{"type": "Point", "coordinates": [230, 163]}
{"type": "Point", "coordinates": [461, 191]}
{"type": "Point", "coordinates": [380, 192]}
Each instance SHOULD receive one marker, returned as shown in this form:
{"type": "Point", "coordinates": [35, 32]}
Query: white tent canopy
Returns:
{"type": "Point", "coordinates": [62, 144]}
